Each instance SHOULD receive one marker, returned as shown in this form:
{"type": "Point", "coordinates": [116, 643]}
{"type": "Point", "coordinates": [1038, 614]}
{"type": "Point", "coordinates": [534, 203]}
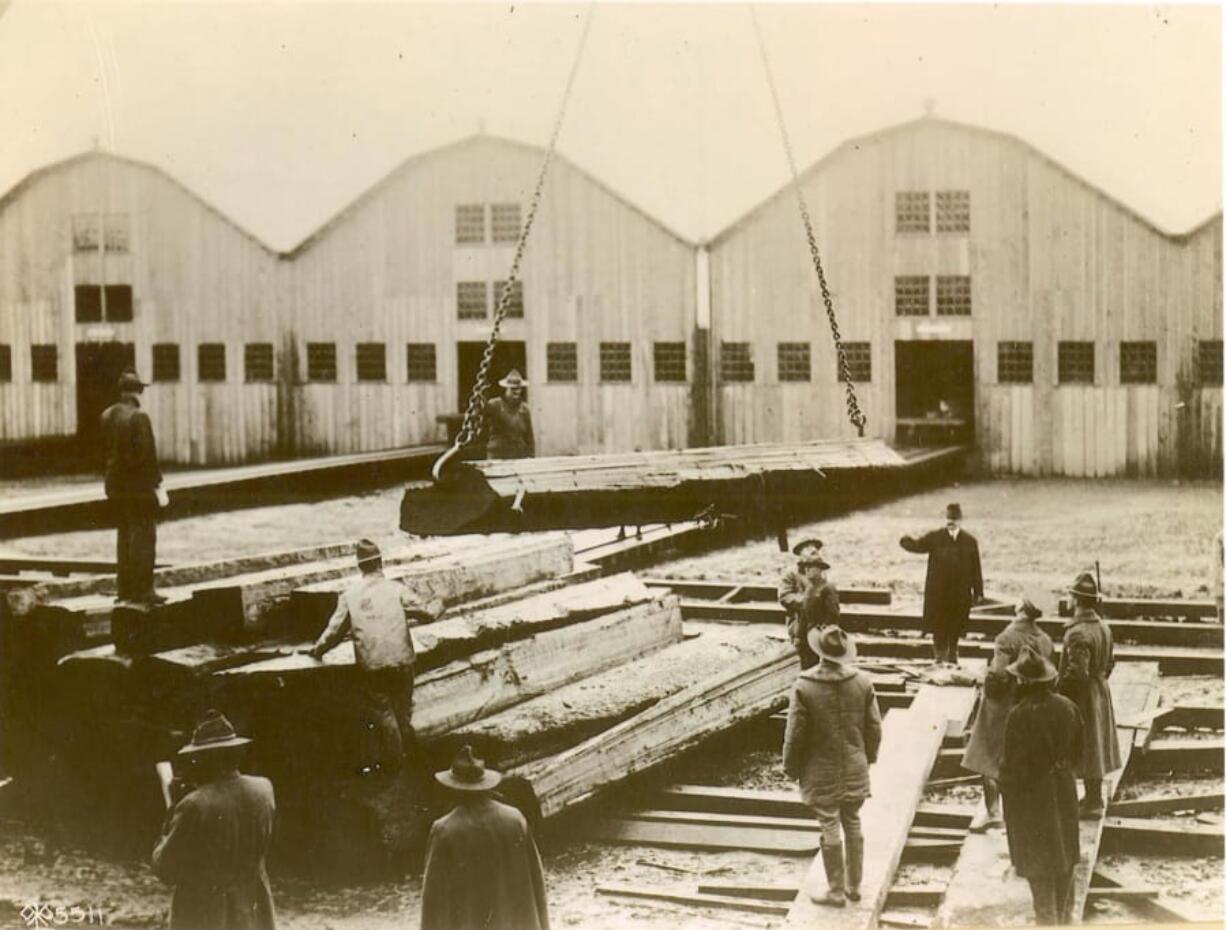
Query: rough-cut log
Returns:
{"type": "Point", "coordinates": [1172, 755]}
{"type": "Point", "coordinates": [750, 890]}
{"type": "Point", "coordinates": [720, 902]}
{"type": "Point", "coordinates": [1135, 835]}
{"type": "Point", "coordinates": [708, 837]}
{"type": "Point", "coordinates": [1150, 806]}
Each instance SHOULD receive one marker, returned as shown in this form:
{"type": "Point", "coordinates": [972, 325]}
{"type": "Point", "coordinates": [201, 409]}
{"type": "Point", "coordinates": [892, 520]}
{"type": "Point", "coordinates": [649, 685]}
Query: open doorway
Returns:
{"type": "Point", "coordinates": [507, 356]}
{"type": "Point", "coordinates": [98, 367]}
{"type": "Point", "coordinates": [935, 391]}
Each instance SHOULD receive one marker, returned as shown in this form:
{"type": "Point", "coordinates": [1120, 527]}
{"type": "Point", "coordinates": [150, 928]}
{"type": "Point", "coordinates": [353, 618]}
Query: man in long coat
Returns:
{"type": "Point", "coordinates": [1086, 661]}
{"type": "Point", "coordinates": [1042, 744]}
{"type": "Point", "coordinates": [483, 871]}
{"type": "Point", "coordinates": [832, 736]}
{"type": "Point", "coordinates": [954, 582]}
{"type": "Point", "coordinates": [809, 601]}
{"type": "Point", "coordinates": [216, 837]}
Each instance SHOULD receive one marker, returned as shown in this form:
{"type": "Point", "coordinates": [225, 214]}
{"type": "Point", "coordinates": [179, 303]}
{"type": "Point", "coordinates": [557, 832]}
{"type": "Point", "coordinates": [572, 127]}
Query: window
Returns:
{"type": "Point", "coordinates": [794, 362]}
{"type": "Point", "coordinates": [1138, 363]}
{"type": "Point", "coordinates": [6, 363]}
{"type": "Point", "coordinates": [257, 361]}
{"type": "Point", "coordinates": [85, 232]}
{"type": "Point", "coordinates": [119, 303]}
{"type": "Point", "coordinates": [911, 295]}
{"type": "Point", "coordinates": [321, 361]}
{"type": "Point", "coordinates": [88, 300]}
{"type": "Point", "coordinates": [1075, 362]}
{"type": "Point", "coordinates": [561, 361]}
{"type": "Point", "coordinates": [953, 211]}
{"type": "Point", "coordinates": [165, 361]}
{"type": "Point", "coordinates": [515, 304]}
{"type": "Point", "coordinates": [421, 362]}
{"type": "Point", "coordinates": [211, 361]}
{"type": "Point", "coordinates": [735, 361]}
{"type": "Point", "coordinates": [372, 361]}
{"type": "Point", "coordinates": [911, 212]}
{"type": "Point", "coordinates": [859, 357]}
{"type": "Point", "coordinates": [472, 300]}
{"type": "Point", "coordinates": [615, 361]}
{"type": "Point", "coordinates": [505, 222]}
{"type": "Point", "coordinates": [1015, 362]}
{"type": "Point", "coordinates": [669, 359]}
{"type": "Point", "coordinates": [470, 224]}
{"type": "Point", "coordinates": [1209, 362]}
{"type": "Point", "coordinates": [953, 295]}
{"type": "Point", "coordinates": [44, 363]}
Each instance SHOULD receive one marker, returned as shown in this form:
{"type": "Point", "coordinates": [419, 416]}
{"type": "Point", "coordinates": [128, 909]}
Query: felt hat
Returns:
{"type": "Point", "coordinates": [366, 551]}
{"type": "Point", "coordinates": [513, 379]}
{"type": "Point", "coordinates": [468, 773]}
{"type": "Point", "coordinates": [130, 382]}
{"type": "Point", "coordinates": [1032, 667]}
{"type": "Point", "coordinates": [1027, 608]}
{"type": "Point", "coordinates": [814, 559]}
{"type": "Point", "coordinates": [953, 512]}
{"type": "Point", "coordinates": [810, 543]}
{"type": "Point", "coordinates": [213, 732]}
{"type": "Point", "coordinates": [832, 644]}
{"type": "Point", "coordinates": [1084, 586]}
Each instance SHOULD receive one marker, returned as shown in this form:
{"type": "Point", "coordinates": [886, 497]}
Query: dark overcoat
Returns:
{"type": "Point", "coordinates": [1086, 660]}
{"type": "Point", "coordinates": [807, 606]}
{"type": "Point", "coordinates": [1042, 741]}
{"type": "Point", "coordinates": [131, 455]}
{"type": "Point", "coordinates": [510, 431]}
{"type": "Point", "coordinates": [483, 871]}
{"type": "Point", "coordinates": [212, 850]}
{"type": "Point", "coordinates": [954, 580]}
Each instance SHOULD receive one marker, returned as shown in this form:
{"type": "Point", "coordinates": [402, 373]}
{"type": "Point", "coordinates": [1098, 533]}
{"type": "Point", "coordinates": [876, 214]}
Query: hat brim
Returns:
{"type": "Point", "coordinates": [1049, 673]}
{"type": "Point", "coordinates": [815, 645]}
{"type": "Point", "coordinates": [1081, 593]}
{"type": "Point", "coordinates": [806, 544]}
{"type": "Point", "coordinates": [489, 780]}
{"type": "Point", "coordinates": [819, 562]}
{"type": "Point", "coordinates": [234, 742]}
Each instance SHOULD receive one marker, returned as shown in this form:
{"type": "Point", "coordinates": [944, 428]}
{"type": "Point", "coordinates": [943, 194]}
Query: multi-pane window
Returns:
{"type": "Point", "coordinates": [911, 295]}
{"type": "Point", "coordinates": [911, 212]}
{"type": "Point", "coordinates": [321, 361]}
{"type": "Point", "coordinates": [166, 361]}
{"type": "Point", "coordinates": [1075, 362]}
{"type": "Point", "coordinates": [561, 361]}
{"type": "Point", "coordinates": [257, 361]}
{"type": "Point", "coordinates": [421, 361]}
{"type": "Point", "coordinates": [372, 361]}
{"type": "Point", "coordinates": [211, 361]}
{"type": "Point", "coordinates": [515, 302]}
{"type": "Point", "coordinates": [1015, 362]}
{"type": "Point", "coordinates": [1209, 362]}
{"type": "Point", "coordinates": [953, 295]}
{"type": "Point", "coordinates": [85, 234]}
{"type": "Point", "coordinates": [472, 300]}
{"type": "Point", "coordinates": [470, 224]}
{"type": "Point", "coordinates": [1138, 362]}
{"type": "Point", "coordinates": [669, 359]}
{"type": "Point", "coordinates": [735, 361]}
{"type": "Point", "coordinates": [505, 222]}
{"type": "Point", "coordinates": [88, 301]}
{"type": "Point", "coordinates": [953, 211]}
{"type": "Point", "coordinates": [859, 357]}
{"type": "Point", "coordinates": [794, 361]}
{"type": "Point", "coordinates": [6, 363]}
{"type": "Point", "coordinates": [44, 363]}
{"type": "Point", "coordinates": [615, 361]}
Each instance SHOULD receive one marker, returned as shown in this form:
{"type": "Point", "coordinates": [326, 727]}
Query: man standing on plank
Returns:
{"type": "Point", "coordinates": [809, 601]}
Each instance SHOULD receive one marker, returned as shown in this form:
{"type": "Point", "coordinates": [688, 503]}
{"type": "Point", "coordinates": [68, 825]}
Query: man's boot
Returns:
{"type": "Point", "coordinates": [990, 815]}
{"type": "Point", "coordinates": [1091, 806]}
{"type": "Point", "coordinates": [854, 846]}
{"type": "Point", "coordinates": [832, 859]}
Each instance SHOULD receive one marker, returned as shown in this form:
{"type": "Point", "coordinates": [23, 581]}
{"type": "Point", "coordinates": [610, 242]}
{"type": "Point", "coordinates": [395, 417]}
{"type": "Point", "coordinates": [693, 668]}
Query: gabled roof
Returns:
{"type": "Point", "coordinates": [930, 121]}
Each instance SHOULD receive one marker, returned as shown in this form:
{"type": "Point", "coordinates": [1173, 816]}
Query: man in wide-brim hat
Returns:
{"type": "Point", "coordinates": [509, 422]}
{"type": "Point", "coordinates": [1042, 744]}
{"type": "Point", "coordinates": [1086, 661]}
{"type": "Point", "coordinates": [808, 599]}
{"type": "Point", "coordinates": [832, 736]}
{"type": "Point", "coordinates": [216, 837]}
{"type": "Point", "coordinates": [483, 870]}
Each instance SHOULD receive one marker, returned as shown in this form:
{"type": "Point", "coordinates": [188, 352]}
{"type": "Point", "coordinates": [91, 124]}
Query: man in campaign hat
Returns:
{"type": "Point", "coordinates": [509, 423]}
{"type": "Point", "coordinates": [132, 480]}
{"type": "Point", "coordinates": [808, 599]}
{"type": "Point", "coordinates": [483, 870]}
{"type": "Point", "coordinates": [954, 582]}
{"type": "Point", "coordinates": [216, 837]}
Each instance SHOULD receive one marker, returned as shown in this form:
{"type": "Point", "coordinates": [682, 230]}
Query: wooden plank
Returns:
{"type": "Point", "coordinates": [1189, 718]}
{"type": "Point", "coordinates": [752, 590]}
{"type": "Point", "coordinates": [904, 921]}
{"type": "Point", "coordinates": [750, 890]}
{"type": "Point", "coordinates": [915, 895]}
{"type": "Point", "coordinates": [706, 818]}
{"type": "Point", "coordinates": [1171, 755]}
{"type": "Point", "coordinates": [1149, 806]}
{"type": "Point", "coordinates": [928, 850]}
{"type": "Point", "coordinates": [943, 815]}
{"type": "Point", "coordinates": [1125, 608]}
{"type": "Point", "coordinates": [717, 901]}
{"type": "Point", "coordinates": [706, 837]}
{"type": "Point", "coordinates": [1159, 908]}
{"type": "Point", "coordinates": [743, 801]}
{"type": "Point", "coordinates": [1135, 835]}
{"type": "Point", "coordinates": [1120, 894]}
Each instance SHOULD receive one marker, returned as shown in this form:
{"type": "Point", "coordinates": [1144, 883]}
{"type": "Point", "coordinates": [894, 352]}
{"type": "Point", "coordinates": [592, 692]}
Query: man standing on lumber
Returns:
{"type": "Point", "coordinates": [1086, 661]}
{"type": "Point", "coordinates": [510, 422]}
{"type": "Point", "coordinates": [379, 611]}
{"type": "Point", "coordinates": [132, 481]}
{"type": "Point", "coordinates": [808, 599]}
{"type": "Point", "coordinates": [1042, 745]}
{"type": "Point", "coordinates": [483, 871]}
{"type": "Point", "coordinates": [832, 736]}
{"type": "Point", "coordinates": [954, 582]}
{"type": "Point", "coordinates": [216, 837]}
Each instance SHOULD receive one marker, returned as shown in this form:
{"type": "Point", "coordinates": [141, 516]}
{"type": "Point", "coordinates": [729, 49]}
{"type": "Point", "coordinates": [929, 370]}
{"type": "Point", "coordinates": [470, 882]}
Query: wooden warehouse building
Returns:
{"type": "Point", "coordinates": [983, 291]}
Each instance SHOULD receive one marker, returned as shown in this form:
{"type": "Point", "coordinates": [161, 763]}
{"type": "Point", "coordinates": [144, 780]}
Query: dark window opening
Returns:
{"type": "Point", "coordinates": [795, 363]}
{"type": "Point", "coordinates": [505, 222]}
{"type": "Point", "coordinates": [211, 361]}
{"type": "Point", "coordinates": [515, 300]}
{"type": "Point", "coordinates": [257, 361]}
{"type": "Point", "coordinates": [421, 361]}
{"type": "Point", "coordinates": [44, 363]}
{"type": "Point", "coordinates": [911, 295]}
{"type": "Point", "coordinates": [1138, 363]}
{"type": "Point", "coordinates": [1015, 362]}
{"type": "Point", "coordinates": [6, 363]}
{"type": "Point", "coordinates": [166, 361]}
{"type": "Point", "coordinates": [472, 300]}
{"type": "Point", "coordinates": [953, 295]}
{"type": "Point", "coordinates": [1075, 362]}
{"type": "Point", "coordinates": [953, 211]}
{"type": "Point", "coordinates": [669, 361]}
{"type": "Point", "coordinates": [321, 361]}
{"type": "Point", "coordinates": [470, 224]}
{"type": "Point", "coordinates": [735, 362]}
{"type": "Point", "coordinates": [911, 212]}
{"type": "Point", "coordinates": [1209, 362]}
{"type": "Point", "coordinates": [372, 361]}
{"type": "Point", "coordinates": [615, 361]}
{"type": "Point", "coordinates": [89, 304]}
{"type": "Point", "coordinates": [859, 357]}
{"type": "Point", "coordinates": [561, 361]}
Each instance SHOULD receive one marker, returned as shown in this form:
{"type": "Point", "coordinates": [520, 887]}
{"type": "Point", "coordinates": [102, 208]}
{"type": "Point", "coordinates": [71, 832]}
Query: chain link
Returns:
{"type": "Point", "coordinates": [854, 413]}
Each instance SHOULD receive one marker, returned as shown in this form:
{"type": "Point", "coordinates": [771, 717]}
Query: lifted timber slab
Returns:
{"type": "Point", "coordinates": [1189, 717]}
{"type": "Point", "coordinates": [707, 837]}
{"type": "Point", "coordinates": [1136, 835]}
{"type": "Point", "coordinates": [1149, 806]}
{"type": "Point", "coordinates": [1183, 755]}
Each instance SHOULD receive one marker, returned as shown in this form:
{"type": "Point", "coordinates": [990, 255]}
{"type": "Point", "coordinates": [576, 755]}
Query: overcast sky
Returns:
{"type": "Point", "coordinates": [280, 113]}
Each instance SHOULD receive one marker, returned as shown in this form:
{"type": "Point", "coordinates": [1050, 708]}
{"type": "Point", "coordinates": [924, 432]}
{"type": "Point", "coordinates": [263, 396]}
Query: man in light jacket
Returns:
{"type": "Point", "coordinates": [833, 733]}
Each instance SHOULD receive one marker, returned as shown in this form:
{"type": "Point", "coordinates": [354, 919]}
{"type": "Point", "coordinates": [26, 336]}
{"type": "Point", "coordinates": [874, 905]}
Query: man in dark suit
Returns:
{"type": "Point", "coordinates": [809, 601]}
{"type": "Point", "coordinates": [953, 583]}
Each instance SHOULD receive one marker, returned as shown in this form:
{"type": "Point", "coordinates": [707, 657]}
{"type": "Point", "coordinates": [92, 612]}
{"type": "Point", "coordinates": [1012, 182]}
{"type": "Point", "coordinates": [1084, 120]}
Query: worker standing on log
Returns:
{"type": "Point", "coordinates": [1043, 738]}
{"type": "Point", "coordinates": [808, 599]}
{"type": "Point", "coordinates": [832, 736]}
{"type": "Point", "coordinates": [216, 837]}
{"type": "Point", "coordinates": [953, 583]}
{"type": "Point", "coordinates": [132, 481]}
{"type": "Point", "coordinates": [510, 422]}
{"type": "Point", "coordinates": [987, 743]}
{"type": "Point", "coordinates": [483, 871]}
{"type": "Point", "coordinates": [379, 611]}
{"type": "Point", "coordinates": [1086, 662]}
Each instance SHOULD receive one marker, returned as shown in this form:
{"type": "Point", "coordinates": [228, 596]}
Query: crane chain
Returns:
{"type": "Point", "coordinates": [854, 413]}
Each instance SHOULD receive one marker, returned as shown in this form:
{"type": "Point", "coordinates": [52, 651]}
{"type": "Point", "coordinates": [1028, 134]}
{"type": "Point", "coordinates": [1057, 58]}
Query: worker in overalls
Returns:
{"type": "Point", "coordinates": [509, 422]}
